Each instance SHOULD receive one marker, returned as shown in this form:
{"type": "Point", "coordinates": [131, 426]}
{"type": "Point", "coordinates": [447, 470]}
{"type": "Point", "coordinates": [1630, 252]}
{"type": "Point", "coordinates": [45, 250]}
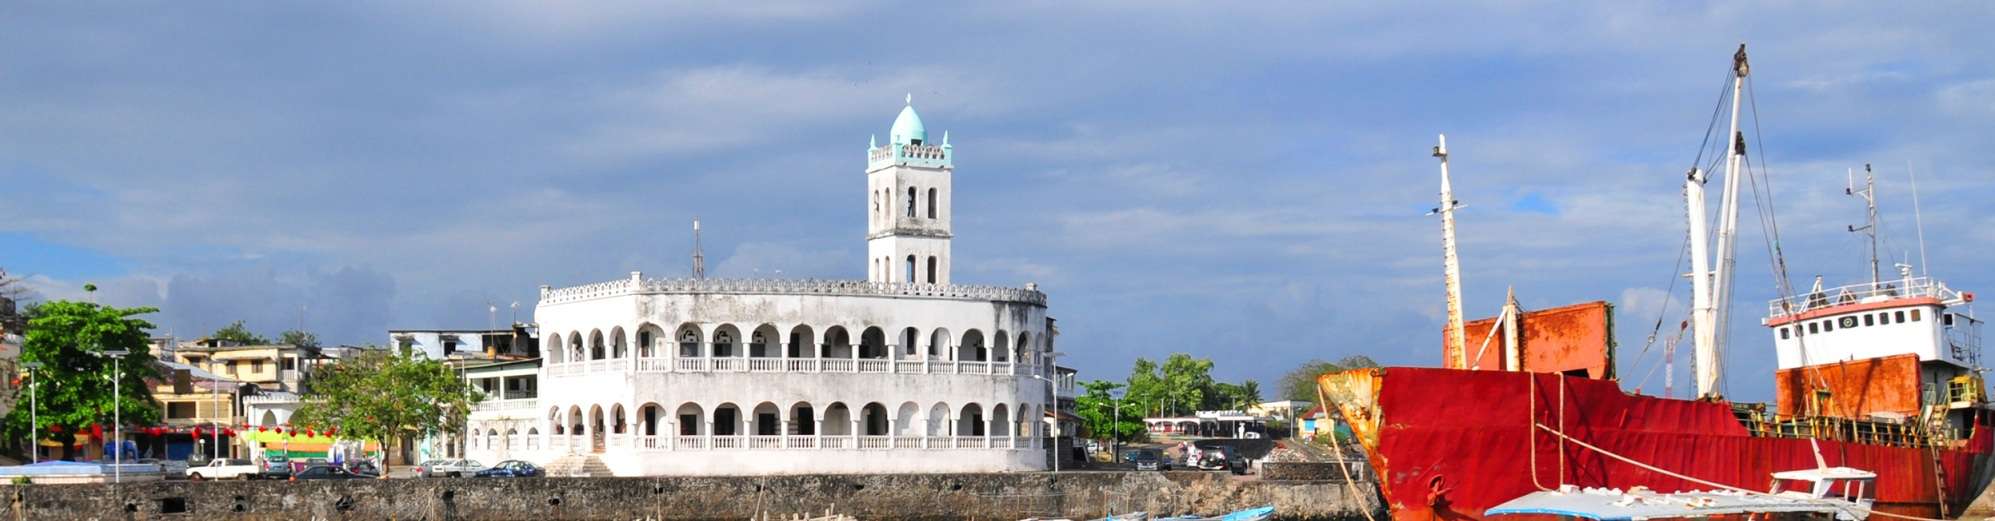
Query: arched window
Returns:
{"type": "Point", "coordinates": [931, 203]}
{"type": "Point", "coordinates": [910, 201]}
{"type": "Point", "coordinates": [910, 270]}
{"type": "Point", "coordinates": [931, 269]}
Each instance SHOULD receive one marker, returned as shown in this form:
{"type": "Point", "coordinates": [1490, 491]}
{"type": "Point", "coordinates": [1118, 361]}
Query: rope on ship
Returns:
{"type": "Point", "coordinates": [1338, 446]}
{"type": "Point", "coordinates": [1652, 468]}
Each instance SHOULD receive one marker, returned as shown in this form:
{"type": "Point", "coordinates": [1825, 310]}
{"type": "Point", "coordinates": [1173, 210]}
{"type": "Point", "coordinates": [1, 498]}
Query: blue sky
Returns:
{"type": "Point", "coordinates": [1244, 183]}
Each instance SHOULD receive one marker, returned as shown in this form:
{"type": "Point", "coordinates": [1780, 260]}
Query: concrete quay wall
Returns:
{"type": "Point", "coordinates": [1078, 495]}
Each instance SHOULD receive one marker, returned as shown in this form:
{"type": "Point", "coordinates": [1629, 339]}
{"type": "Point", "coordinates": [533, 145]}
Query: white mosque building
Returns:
{"type": "Point", "coordinates": [902, 372]}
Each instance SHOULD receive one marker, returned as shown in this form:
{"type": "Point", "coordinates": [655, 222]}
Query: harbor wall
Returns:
{"type": "Point", "coordinates": [1078, 495]}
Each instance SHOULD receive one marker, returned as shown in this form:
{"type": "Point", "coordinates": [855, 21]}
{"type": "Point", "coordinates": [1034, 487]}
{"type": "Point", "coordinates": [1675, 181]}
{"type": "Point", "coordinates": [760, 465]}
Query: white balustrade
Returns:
{"type": "Point", "coordinates": [942, 366]}
{"type": "Point", "coordinates": [802, 442]}
{"type": "Point", "coordinates": [730, 365]}
{"type": "Point", "coordinates": [837, 365]}
{"type": "Point", "coordinates": [973, 367]}
{"type": "Point", "coordinates": [729, 442]}
{"type": "Point", "coordinates": [873, 366]}
{"type": "Point", "coordinates": [907, 442]}
{"type": "Point", "coordinates": [765, 442]}
{"type": "Point", "coordinates": [1001, 443]}
{"type": "Point", "coordinates": [907, 367]}
{"type": "Point", "coordinates": [875, 442]}
{"type": "Point", "coordinates": [801, 365]}
{"type": "Point", "coordinates": [969, 442]}
{"type": "Point", "coordinates": [619, 441]}
{"type": "Point", "coordinates": [1001, 368]}
{"type": "Point", "coordinates": [765, 365]}
{"type": "Point", "coordinates": [941, 442]}
{"type": "Point", "coordinates": [692, 365]}
{"type": "Point", "coordinates": [651, 442]}
{"type": "Point", "coordinates": [839, 441]}
{"type": "Point", "coordinates": [654, 365]}
{"type": "Point", "coordinates": [691, 442]}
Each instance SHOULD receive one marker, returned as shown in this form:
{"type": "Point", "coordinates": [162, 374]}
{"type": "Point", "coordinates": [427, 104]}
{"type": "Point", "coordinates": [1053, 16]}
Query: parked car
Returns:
{"type": "Point", "coordinates": [1148, 459]}
{"type": "Point", "coordinates": [449, 468]}
{"type": "Point", "coordinates": [225, 469]}
{"type": "Point", "coordinates": [277, 467]}
{"type": "Point", "coordinates": [326, 472]}
{"type": "Point", "coordinates": [512, 468]}
{"type": "Point", "coordinates": [364, 468]}
{"type": "Point", "coordinates": [1221, 458]}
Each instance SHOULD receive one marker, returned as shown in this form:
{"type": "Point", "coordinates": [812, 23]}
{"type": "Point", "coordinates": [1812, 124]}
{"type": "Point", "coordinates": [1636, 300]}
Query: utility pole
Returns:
{"type": "Point", "coordinates": [34, 420]}
{"type": "Point", "coordinates": [117, 414]}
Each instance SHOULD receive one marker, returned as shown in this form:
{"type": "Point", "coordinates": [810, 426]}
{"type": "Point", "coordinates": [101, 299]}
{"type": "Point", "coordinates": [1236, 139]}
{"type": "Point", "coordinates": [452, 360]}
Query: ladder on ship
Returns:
{"type": "Point", "coordinates": [1936, 417]}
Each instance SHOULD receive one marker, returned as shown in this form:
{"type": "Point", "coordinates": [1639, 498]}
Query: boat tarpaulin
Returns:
{"type": "Point", "coordinates": [1606, 504]}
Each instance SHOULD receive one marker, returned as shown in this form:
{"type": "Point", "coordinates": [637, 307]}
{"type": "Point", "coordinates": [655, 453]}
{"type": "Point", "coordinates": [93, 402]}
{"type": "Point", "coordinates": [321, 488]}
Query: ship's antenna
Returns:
{"type": "Point", "coordinates": [1919, 222]}
{"type": "Point", "coordinates": [1869, 228]}
{"type": "Point", "coordinates": [699, 257]}
{"type": "Point", "coordinates": [1457, 340]}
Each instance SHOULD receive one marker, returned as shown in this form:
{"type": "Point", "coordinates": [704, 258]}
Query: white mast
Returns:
{"type": "Point", "coordinates": [1456, 335]}
{"type": "Point", "coordinates": [1869, 228]}
{"type": "Point", "coordinates": [1711, 305]}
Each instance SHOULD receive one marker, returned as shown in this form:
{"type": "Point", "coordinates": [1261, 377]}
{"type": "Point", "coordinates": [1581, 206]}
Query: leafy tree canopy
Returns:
{"type": "Point", "coordinates": [72, 388]}
{"type": "Point", "coordinates": [1300, 383]}
{"type": "Point", "coordinates": [383, 396]}
{"type": "Point", "coordinates": [1100, 418]}
{"type": "Point", "coordinates": [237, 333]}
{"type": "Point", "coordinates": [298, 338]}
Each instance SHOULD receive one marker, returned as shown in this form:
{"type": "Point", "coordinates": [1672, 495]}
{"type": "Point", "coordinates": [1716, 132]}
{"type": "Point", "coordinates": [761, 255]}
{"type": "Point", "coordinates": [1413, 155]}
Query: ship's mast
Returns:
{"type": "Point", "coordinates": [1456, 337]}
{"type": "Point", "coordinates": [1710, 303]}
{"type": "Point", "coordinates": [1869, 228]}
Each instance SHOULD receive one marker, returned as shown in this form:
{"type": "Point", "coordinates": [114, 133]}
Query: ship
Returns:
{"type": "Point", "coordinates": [1881, 375]}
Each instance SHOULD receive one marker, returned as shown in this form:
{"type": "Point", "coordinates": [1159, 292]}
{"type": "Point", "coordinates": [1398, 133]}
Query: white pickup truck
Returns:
{"type": "Point", "coordinates": [225, 469]}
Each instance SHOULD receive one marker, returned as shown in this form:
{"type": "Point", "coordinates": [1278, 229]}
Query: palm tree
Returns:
{"type": "Point", "coordinates": [1251, 391]}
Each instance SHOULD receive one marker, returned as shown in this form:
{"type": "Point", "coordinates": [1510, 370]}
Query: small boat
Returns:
{"type": "Point", "coordinates": [1132, 516]}
{"type": "Point", "coordinates": [1841, 493]}
{"type": "Point", "coordinates": [1250, 514]}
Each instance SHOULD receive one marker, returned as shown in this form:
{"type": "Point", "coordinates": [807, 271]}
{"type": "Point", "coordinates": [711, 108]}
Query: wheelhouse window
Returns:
{"type": "Point", "coordinates": [1901, 316]}
{"type": "Point", "coordinates": [1783, 332]}
{"type": "Point", "coordinates": [1869, 320]}
{"type": "Point", "coordinates": [1915, 315]}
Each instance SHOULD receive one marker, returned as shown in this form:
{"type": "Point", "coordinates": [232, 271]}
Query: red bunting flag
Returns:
{"type": "Point", "coordinates": [96, 430]}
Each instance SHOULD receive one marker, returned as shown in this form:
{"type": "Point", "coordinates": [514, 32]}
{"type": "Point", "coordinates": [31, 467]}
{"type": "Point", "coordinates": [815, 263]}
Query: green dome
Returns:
{"type": "Point", "coordinates": [907, 128]}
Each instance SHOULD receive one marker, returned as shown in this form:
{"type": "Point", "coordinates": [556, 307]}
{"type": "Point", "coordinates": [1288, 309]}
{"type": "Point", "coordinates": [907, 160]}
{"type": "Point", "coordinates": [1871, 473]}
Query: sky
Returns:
{"type": "Point", "coordinates": [1247, 183]}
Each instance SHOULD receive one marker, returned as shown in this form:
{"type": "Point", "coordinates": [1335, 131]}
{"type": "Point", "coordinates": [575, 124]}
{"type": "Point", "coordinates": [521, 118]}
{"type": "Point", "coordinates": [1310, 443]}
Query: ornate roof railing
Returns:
{"type": "Point", "coordinates": [835, 288]}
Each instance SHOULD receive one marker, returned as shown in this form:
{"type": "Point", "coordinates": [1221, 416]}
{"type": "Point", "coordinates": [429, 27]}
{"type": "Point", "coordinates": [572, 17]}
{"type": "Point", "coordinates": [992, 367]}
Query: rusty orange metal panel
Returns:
{"type": "Point", "coordinates": [1857, 388]}
{"type": "Point", "coordinates": [1567, 339]}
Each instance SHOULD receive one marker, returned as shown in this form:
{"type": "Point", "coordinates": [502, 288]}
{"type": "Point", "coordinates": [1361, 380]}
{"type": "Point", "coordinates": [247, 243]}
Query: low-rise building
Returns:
{"type": "Point", "coordinates": [444, 344]}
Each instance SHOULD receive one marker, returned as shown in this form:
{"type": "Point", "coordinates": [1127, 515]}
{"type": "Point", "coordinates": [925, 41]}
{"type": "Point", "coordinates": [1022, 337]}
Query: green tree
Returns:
{"type": "Point", "coordinates": [304, 339]}
{"type": "Point", "coordinates": [1146, 388]}
{"type": "Point", "coordinates": [1187, 381]}
{"type": "Point", "coordinates": [1300, 383]}
{"type": "Point", "coordinates": [1250, 392]}
{"type": "Point", "coordinates": [1099, 416]}
{"type": "Point", "coordinates": [73, 386]}
{"type": "Point", "coordinates": [385, 396]}
{"type": "Point", "coordinates": [237, 333]}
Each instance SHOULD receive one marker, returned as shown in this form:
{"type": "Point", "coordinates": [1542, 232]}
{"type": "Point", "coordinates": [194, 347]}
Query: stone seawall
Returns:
{"type": "Point", "coordinates": [1078, 495]}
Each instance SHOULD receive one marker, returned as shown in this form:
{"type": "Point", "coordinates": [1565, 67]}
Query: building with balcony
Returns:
{"type": "Point", "coordinates": [905, 371]}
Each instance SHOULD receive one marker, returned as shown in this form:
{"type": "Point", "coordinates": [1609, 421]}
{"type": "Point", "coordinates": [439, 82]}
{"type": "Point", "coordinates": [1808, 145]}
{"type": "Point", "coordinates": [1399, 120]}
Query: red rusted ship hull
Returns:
{"type": "Point", "coordinates": [1449, 444]}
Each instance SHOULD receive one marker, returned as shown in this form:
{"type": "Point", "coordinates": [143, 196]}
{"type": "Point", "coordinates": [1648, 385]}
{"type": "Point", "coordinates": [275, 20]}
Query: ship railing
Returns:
{"type": "Point", "coordinates": [1864, 292]}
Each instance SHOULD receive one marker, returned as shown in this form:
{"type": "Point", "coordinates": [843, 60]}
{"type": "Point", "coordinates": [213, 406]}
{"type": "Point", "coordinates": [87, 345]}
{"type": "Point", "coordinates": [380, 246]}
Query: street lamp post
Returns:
{"type": "Point", "coordinates": [34, 422]}
{"type": "Point", "coordinates": [117, 414]}
{"type": "Point", "coordinates": [1055, 386]}
{"type": "Point", "coordinates": [1115, 449]}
